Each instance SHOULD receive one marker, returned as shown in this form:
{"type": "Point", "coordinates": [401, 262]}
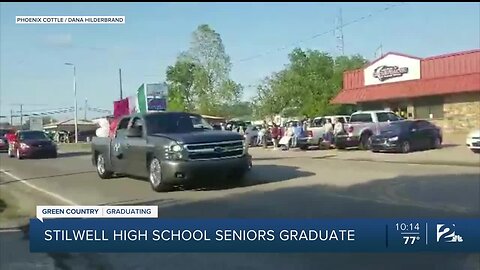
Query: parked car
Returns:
{"type": "Point", "coordinates": [314, 134]}
{"type": "Point", "coordinates": [363, 125]}
{"type": "Point", "coordinates": [407, 136]}
{"type": "Point", "coordinates": [473, 141]}
{"type": "Point", "coordinates": [3, 140]}
{"type": "Point", "coordinates": [170, 148]}
{"type": "Point", "coordinates": [30, 144]}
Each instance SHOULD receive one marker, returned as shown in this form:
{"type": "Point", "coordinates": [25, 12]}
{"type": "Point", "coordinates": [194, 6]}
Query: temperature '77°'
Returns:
{"type": "Point", "coordinates": [411, 239]}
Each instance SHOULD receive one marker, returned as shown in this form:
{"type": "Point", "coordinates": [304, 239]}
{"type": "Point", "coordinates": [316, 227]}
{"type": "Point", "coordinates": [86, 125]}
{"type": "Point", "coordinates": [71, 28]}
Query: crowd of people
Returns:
{"type": "Point", "coordinates": [284, 136]}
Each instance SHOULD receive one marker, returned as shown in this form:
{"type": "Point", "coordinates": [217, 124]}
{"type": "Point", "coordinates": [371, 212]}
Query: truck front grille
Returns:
{"type": "Point", "coordinates": [216, 150]}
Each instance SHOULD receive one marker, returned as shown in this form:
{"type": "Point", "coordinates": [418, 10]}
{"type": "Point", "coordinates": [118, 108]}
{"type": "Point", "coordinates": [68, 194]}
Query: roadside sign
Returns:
{"type": "Point", "coordinates": [36, 123]}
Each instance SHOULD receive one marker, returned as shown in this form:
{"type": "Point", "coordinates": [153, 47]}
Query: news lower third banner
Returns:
{"type": "Point", "coordinates": [253, 235]}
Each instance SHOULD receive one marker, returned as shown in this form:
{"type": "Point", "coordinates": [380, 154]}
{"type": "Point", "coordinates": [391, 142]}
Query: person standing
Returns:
{"type": "Point", "coordinates": [327, 137]}
{"type": "Point", "coordinates": [275, 136]}
{"type": "Point", "coordinates": [338, 127]}
{"type": "Point", "coordinates": [11, 138]}
{"type": "Point", "coordinates": [265, 135]}
{"type": "Point", "coordinates": [297, 133]}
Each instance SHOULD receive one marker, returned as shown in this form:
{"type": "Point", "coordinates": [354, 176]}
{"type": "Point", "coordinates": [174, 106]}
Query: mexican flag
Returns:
{"type": "Point", "coordinates": [142, 105]}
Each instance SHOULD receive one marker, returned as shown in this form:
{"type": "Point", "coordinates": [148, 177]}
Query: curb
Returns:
{"type": "Point", "coordinates": [420, 162]}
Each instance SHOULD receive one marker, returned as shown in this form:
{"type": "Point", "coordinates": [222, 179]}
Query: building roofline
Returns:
{"type": "Point", "coordinates": [414, 57]}
{"type": "Point", "coordinates": [452, 54]}
{"type": "Point", "coordinates": [392, 53]}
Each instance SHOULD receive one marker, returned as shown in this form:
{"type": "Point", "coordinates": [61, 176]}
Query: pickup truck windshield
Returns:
{"type": "Point", "coordinates": [175, 123]}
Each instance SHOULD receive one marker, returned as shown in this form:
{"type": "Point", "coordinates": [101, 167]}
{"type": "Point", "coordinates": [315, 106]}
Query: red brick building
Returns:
{"type": "Point", "coordinates": [444, 89]}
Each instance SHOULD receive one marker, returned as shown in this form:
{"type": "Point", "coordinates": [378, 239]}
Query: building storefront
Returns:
{"type": "Point", "coordinates": [443, 89]}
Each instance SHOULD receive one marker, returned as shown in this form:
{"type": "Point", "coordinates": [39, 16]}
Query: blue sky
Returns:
{"type": "Point", "coordinates": [32, 56]}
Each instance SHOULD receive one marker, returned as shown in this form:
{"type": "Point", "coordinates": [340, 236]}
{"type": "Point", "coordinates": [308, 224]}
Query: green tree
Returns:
{"type": "Point", "coordinates": [306, 86]}
{"type": "Point", "coordinates": [212, 85]}
{"type": "Point", "coordinates": [180, 80]}
{"type": "Point", "coordinates": [242, 109]}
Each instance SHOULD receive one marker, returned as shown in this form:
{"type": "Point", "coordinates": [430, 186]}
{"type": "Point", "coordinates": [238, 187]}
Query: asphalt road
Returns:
{"type": "Point", "coordinates": [281, 185]}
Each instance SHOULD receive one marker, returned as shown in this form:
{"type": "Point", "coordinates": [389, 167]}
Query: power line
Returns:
{"type": "Point", "coordinates": [323, 33]}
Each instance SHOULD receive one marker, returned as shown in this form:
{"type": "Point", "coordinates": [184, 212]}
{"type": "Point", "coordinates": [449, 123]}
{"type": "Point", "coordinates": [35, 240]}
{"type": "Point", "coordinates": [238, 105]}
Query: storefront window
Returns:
{"type": "Point", "coordinates": [429, 108]}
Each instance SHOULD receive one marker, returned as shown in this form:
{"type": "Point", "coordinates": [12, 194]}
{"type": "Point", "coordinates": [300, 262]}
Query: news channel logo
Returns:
{"type": "Point", "coordinates": [447, 234]}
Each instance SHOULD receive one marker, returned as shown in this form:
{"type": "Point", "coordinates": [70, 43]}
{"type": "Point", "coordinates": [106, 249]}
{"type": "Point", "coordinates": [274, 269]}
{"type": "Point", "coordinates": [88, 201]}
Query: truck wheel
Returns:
{"type": "Point", "coordinates": [238, 178]}
{"type": "Point", "coordinates": [101, 171]}
{"type": "Point", "coordinates": [436, 143]}
{"type": "Point", "coordinates": [365, 141]}
{"type": "Point", "coordinates": [155, 176]}
{"type": "Point", "coordinates": [405, 148]}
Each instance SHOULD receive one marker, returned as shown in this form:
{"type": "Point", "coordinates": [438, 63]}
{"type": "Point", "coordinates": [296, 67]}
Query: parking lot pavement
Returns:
{"type": "Point", "coordinates": [293, 184]}
{"type": "Point", "coordinates": [448, 155]}
{"type": "Point", "coordinates": [457, 155]}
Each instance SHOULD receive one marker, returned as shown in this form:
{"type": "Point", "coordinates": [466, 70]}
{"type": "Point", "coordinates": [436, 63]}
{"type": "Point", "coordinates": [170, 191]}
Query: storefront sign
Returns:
{"type": "Point", "coordinates": [392, 68]}
{"type": "Point", "coordinates": [383, 73]}
{"type": "Point", "coordinates": [36, 123]}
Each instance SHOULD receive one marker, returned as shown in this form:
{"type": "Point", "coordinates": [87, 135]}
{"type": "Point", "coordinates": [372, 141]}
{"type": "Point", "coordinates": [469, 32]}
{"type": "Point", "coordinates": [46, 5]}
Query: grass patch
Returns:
{"type": "Point", "coordinates": [10, 208]}
{"type": "Point", "coordinates": [74, 147]}
{"type": "Point", "coordinates": [3, 205]}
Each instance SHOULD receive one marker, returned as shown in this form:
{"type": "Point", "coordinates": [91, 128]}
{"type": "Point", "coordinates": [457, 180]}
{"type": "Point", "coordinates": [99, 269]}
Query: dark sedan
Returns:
{"type": "Point", "coordinates": [3, 140]}
{"type": "Point", "coordinates": [30, 144]}
{"type": "Point", "coordinates": [407, 136]}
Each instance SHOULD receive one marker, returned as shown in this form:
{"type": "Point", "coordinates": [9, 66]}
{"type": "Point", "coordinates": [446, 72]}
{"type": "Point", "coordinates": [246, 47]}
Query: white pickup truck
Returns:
{"type": "Point", "coordinates": [314, 134]}
{"type": "Point", "coordinates": [362, 126]}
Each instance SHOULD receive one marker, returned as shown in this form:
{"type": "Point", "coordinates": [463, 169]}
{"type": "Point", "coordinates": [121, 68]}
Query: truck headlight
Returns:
{"type": "Point", "coordinates": [245, 146]}
{"type": "Point", "coordinates": [393, 139]}
{"type": "Point", "coordinates": [175, 152]}
{"type": "Point", "coordinates": [176, 148]}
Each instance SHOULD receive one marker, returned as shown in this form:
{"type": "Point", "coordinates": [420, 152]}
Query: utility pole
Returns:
{"type": "Point", "coordinates": [120, 76]}
{"type": "Point", "coordinates": [339, 33]}
{"type": "Point", "coordinates": [21, 111]}
{"type": "Point", "coordinates": [75, 99]}
{"type": "Point", "coordinates": [379, 48]}
{"type": "Point", "coordinates": [21, 116]}
{"type": "Point", "coordinates": [86, 108]}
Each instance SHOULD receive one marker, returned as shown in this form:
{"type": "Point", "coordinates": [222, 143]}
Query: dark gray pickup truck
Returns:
{"type": "Point", "coordinates": [170, 148]}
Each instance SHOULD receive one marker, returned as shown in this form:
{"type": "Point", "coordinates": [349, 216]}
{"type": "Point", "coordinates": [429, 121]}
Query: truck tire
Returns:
{"type": "Point", "coordinates": [239, 177]}
{"type": "Point", "coordinates": [436, 143]}
{"type": "Point", "coordinates": [405, 147]}
{"type": "Point", "coordinates": [155, 176]}
{"type": "Point", "coordinates": [101, 170]}
{"type": "Point", "coordinates": [365, 141]}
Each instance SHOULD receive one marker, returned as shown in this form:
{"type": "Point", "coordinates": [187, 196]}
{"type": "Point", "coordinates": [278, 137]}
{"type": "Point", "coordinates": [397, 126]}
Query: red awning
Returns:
{"type": "Point", "coordinates": [410, 89]}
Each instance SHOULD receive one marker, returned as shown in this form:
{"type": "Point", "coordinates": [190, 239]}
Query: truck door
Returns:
{"type": "Point", "coordinates": [136, 150]}
{"type": "Point", "coordinates": [117, 148]}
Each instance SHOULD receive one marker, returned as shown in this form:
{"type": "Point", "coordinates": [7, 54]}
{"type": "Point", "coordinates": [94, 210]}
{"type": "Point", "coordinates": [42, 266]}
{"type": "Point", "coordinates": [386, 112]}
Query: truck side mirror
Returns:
{"type": "Point", "coordinates": [134, 132]}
